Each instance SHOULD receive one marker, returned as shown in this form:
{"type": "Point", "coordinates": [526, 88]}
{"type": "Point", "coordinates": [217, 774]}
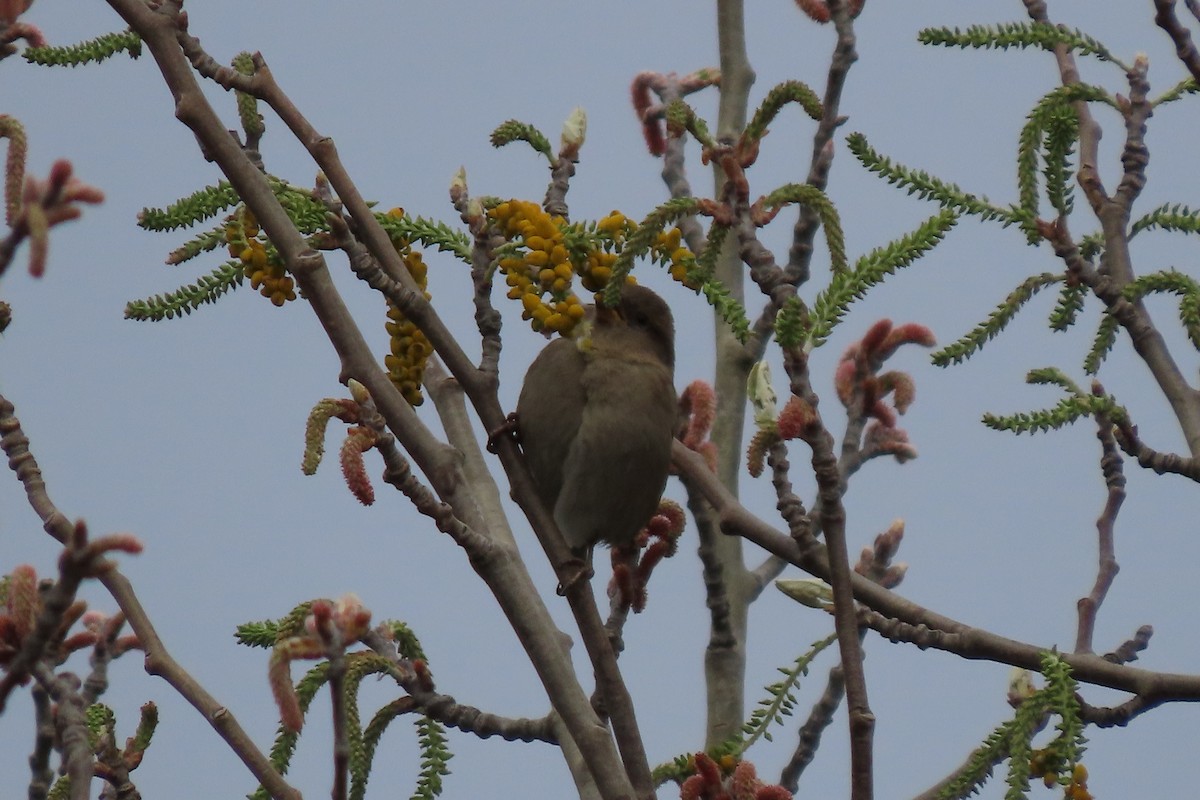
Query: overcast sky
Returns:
{"type": "Point", "coordinates": [188, 433]}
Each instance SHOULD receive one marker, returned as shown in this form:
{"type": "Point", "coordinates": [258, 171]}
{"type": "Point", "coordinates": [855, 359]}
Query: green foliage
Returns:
{"type": "Point", "coordinates": [815, 199]}
{"type": "Point", "coordinates": [1168, 217]}
{"type": "Point", "coordinates": [407, 643]}
{"type": "Point", "coordinates": [791, 322]}
{"type": "Point", "coordinates": [515, 131]}
{"type": "Point", "coordinates": [1102, 344]}
{"type": "Point", "coordinates": [258, 634]}
{"type": "Point", "coordinates": [987, 330]}
{"type": "Point", "coordinates": [1091, 246]}
{"type": "Point", "coordinates": [1186, 86]}
{"type": "Point", "coordinates": [267, 633]}
{"type": "Point", "coordinates": [196, 207]}
{"type": "Point", "coordinates": [780, 701]}
{"type": "Point", "coordinates": [307, 213]}
{"type": "Point", "coordinates": [927, 187]}
{"type": "Point", "coordinates": [1020, 35]}
{"type": "Point", "coordinates": [147, 724]}
{"type": "Point", "coordinates": [247, 105]}
{"type": "Point", "coordinates": [435, 754]}
{"type": "Point", "coordinates": [640, 242]}
{"type": "Point", "coordinates": [787, 92]}
{"type": "Point", "coordinates": [93, 50]}
{"type": "Point", "coordinates": [1050, 131]}
{"type": "Point", "coordinates": [428, 233]}
{"type": "Point", "coordinates": [204, 242]}
{"type": "Point", "coordinates": [1013, 740]}
{"type": "Point", "coordinates": [100, 720]}
{"type": "Point", "coordinates": [706, 261]}
{"type": "Point", "coordinates": [1070, 303]}
{"type": "Point", "coordinates": [302, 208]}
{"type": "Point", "coordinates": [285, 741]}
{"type": "Point", "coordinates": [1075, 405]}
{"type": "Point", "coordinates": [184, 300]}
{"type": "Point", "coordinates": [363, 742]}
{"type": "Point", "coordinates": [847, 286]}
{"type": "Point", "coordinates": [728, 308]}
{"type": "Point", "coordinates": [681, 117]}
{"type": "Point", "coordinates": [1163, 282]}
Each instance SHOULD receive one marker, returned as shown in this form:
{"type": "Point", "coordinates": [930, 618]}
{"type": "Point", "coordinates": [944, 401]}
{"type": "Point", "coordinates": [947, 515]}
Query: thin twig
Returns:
{"type": "Point", "coordinates": [966, 641]}
{"type": "Point", "coordinates": [1111, 465]}
{"type": "Point", "coordinates": [1165, 18]}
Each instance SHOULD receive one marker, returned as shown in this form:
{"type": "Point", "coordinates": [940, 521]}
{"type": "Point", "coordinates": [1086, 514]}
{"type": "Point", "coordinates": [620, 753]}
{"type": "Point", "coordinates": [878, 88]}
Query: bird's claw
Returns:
{"type": "Point", "coordinates": [576, 570]}
{"type": "Point", "coordinates": [510, 428]}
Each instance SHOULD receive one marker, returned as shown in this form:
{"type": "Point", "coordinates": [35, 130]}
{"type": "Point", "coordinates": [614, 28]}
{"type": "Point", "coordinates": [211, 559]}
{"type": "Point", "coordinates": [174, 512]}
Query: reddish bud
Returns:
{"type": "Point", "coordinates": [875, 336]}
{"type": "Point", "coordinates": [795, 419]}
{"type": "Point", "coordinates": [354, 470]}
{"type": "Point", "coordinates": [23, 601]}
{"type": "Point", "coordinates": [816, 10]}
{"type": "Point", "coordinates": [708, 769]}
{"type": "Point", "coordinates": [908, 333]}
{"type": "Point", "coordinates": [699, 404]}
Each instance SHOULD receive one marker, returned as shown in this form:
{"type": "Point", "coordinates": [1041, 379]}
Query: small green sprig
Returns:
{"type": "Point", "coordinates": [778, 704]}
{"type": "Point", "coordinates": [247, 104]}
{"type": "Point", "coordinates": [1186, 86]}
{"type": "Point", "coordinates": [1168, 217]}
{"type": "Point", "coordinates": [1163, 282]}
{"type": "Point", "coordinates": [93, 50]}
{"type": "Point", "coordinates": [196, 207]}
{"type": "Point", "coordinates": [773, 103]}
{"type": "Point", "coordinates": [1019, 35]}
{"type": "Point", "coordinates": [1070, 302]}
{"type": "Point", "coordinates": [681, 117]}
{"type": "Point", "coordinates": [1050, 132]}
{"type": "Point", "coordinates": [927, 187]}
{"type": "Point", "coordinates": [727, 307]}
{"type": "Point", "coordinates": [780, 701]}
{"type": "Point", "coordinates": [845, 287]}
{"type": "Point", "coordinates": [817, 200]}
{"type": "Point", "coordinates": [428, 233]}
{"type": "Point", "coordinates": [1013, 739]}
{"type": "Point", "coordinates": [987, 330]}
{"type": "Point", "coordinates": [640, 242]}
{"type": "Point", "coordinates": [1075, 405]}
{"type": "Point", "coordinates": [516, 131]}
{"type": "Point", "coordinates": [185, 300]}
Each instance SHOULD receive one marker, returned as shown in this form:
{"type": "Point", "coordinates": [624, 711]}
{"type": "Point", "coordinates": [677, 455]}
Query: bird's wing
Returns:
{"type": "Point", "coordinates": [550, 409]}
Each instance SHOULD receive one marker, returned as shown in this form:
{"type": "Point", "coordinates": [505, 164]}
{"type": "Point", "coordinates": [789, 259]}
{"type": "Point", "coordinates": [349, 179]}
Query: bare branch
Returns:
{"type": "Point", "coordinates": [1165, 18]}
{"type": "Point", "coordinates": [1111, 466]}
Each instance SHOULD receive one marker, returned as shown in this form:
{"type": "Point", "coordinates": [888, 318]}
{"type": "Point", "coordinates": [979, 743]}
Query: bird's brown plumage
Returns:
{"type": "Point", "coordinates": [597, 418]}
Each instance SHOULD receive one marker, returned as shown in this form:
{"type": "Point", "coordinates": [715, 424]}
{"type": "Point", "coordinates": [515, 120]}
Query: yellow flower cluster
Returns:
{"type": "Point", "coordinates": [1042, 763]}
{"type": "Point", "coordinates": [266, 274]}
{"type": "Point", "coordinates": [551, 254]}
{"type": "Point", "coordinates": [410, 350]}
{"type": "Point", "coordinates": [615, 228]}
{"type": "Point", "coordinates": [668, 251]}
{"type": "Point", "coordinates": [542, 267]}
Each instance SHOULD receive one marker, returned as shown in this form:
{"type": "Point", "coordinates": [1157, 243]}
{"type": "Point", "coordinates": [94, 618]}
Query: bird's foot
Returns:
{"type": "Point", "coordinates": [572, 571]}
{"type": "Point", "coordinates": [510, 428]}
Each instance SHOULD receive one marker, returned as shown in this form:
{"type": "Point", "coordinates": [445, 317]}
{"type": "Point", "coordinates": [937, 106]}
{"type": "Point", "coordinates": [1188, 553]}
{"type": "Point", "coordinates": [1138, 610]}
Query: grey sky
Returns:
{"type": "Point", "coordinates": [188, 433]}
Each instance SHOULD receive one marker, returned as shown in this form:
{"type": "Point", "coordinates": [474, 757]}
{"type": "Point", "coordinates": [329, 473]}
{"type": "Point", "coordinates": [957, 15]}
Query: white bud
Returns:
{"type": "Point", "coordinates": [358, 391]}
{"type": "Point", "coordinates": [574, 129]}
{"type": "Point", "coordinates": [812, 592]}
{"type": "Point", "coordinates": [762, 395]}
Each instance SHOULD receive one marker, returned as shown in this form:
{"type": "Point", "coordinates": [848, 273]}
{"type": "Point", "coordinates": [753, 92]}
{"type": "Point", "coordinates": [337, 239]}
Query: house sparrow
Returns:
{"type": "Point", "coordinates": [597, 416]}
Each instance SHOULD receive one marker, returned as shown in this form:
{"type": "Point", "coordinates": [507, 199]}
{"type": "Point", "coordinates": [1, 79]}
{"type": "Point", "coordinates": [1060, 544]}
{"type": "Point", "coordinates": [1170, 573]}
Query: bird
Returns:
{"type": "Point", "coordinates": [597, 415]}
